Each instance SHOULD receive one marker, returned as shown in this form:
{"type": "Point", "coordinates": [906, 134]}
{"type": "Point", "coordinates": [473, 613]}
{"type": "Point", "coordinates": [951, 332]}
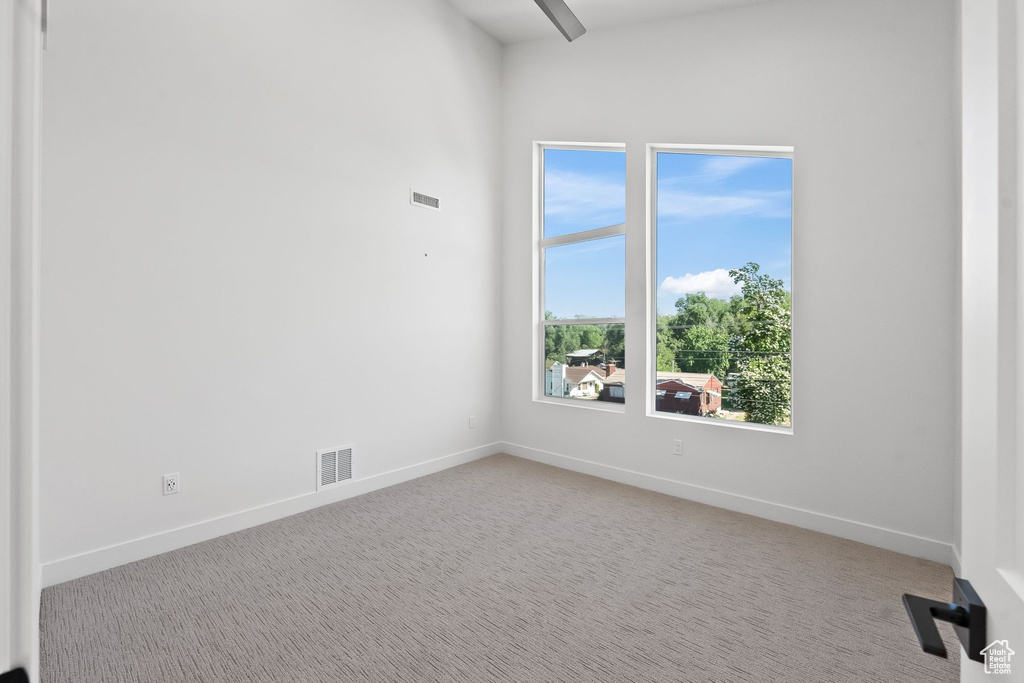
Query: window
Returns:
{"type": "Point", "coordinates": [722, 247]}
{"type": "Point", "coordinates": [582, 269]}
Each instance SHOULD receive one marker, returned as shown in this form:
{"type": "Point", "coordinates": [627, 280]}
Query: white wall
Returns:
{"type": "Point", "coordinates": [864, 91]}
{"type": "Point", "coordinates": [233, 276]}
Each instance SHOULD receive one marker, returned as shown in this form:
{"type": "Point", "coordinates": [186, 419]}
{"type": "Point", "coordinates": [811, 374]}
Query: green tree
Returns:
{"type": "Point", "coordinates": [704, 348]}
{"type": "Point", "coordinates": [591, 337]}
{"type": "Point", "coordinates": [762, 347]}
{"type": "Point", "coordinates": [614, 344]}
{"type": "Point", "coordinates": [668, 345]}
{"type": "Point", "coordinates": [561, 340]}
{"type": "Point", "coordinates": [697, 337]}
{"type": "Point", "coordinates": [700, 309]}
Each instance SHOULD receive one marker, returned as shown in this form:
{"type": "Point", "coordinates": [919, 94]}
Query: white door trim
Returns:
{"type": "Point", "coordinates": [992, 341]}
{"type": "Point", "coordinates": [20, 24]}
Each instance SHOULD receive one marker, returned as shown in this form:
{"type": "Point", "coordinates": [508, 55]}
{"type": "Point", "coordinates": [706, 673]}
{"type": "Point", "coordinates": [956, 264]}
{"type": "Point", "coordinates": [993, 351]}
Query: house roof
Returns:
{"type": "Point", "coordinates": [696, 379]}
{"type": "Point", "coordinates": [582, 353]}
{"type": "Point", "coordinates": [578, 373]}
{"type": "Point", "coordinates": [617, 377]}
{"type": "Point", "coordinates": [676, 385]}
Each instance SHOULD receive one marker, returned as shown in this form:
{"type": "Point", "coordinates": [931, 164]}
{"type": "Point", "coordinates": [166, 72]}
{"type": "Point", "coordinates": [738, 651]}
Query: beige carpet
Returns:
{"type": "Point", "coordinates": [501, 570]}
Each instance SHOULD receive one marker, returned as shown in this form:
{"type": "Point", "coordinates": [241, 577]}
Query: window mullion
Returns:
{"type": "Point", "coordinates": [585, 321]}
{"type": "Point", "coordinates": [574, 237]}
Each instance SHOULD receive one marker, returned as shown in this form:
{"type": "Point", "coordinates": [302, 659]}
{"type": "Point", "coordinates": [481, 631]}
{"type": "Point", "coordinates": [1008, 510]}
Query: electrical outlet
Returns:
{"type": "Point", "coordinates": [172, 482]}
{"type": "Point", "coordinates": [472, 421]}
{"type": "Point", "coordinates": [677, 447]}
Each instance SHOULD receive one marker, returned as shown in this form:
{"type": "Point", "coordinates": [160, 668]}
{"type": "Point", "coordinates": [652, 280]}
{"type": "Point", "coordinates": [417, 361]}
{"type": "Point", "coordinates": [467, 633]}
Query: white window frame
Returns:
{"type": "Point", "coordinates": [540, 243]}
{"type": "Point", "coordinates": [772, 152]}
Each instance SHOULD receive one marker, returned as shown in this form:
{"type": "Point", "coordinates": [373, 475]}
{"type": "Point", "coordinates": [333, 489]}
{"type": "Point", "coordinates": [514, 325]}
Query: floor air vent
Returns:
{"type": "Point", "coordinates": [424, 200]}
{"type": "Point", "coordinates": [333, 467]}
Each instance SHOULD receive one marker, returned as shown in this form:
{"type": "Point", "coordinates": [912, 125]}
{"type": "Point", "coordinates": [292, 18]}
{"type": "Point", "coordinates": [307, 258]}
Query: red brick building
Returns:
{"type": "Point", "coordinates": [690, 393]}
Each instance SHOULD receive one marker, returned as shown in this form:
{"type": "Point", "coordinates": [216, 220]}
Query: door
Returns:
{"type": "Point", "coordinates": [992, 323]}
{"type": "Point", "coordinates": [6, 87]}
{"type": "Point", "coordinates": [20, 25]}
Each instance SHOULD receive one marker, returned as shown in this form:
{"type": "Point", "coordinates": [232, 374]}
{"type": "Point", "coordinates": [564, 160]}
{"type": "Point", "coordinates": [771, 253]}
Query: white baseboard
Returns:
{"type": "Point", "coordinates": [94, 561]}
{"type": "Point", "coordinates": [879, 537]}
{"type": "Point", "coordinates": [955, 562]}
{"type": "Point", "coordinates": [98, 560]}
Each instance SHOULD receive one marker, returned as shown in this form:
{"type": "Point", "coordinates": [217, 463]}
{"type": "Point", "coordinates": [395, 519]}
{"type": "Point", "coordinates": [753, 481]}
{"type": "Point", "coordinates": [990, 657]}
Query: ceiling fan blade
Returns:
{"type": "Point", "coordinates": [563, 18]}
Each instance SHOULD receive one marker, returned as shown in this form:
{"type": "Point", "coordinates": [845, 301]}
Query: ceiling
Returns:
{"type": "Point", "coordinates": [512, 21]}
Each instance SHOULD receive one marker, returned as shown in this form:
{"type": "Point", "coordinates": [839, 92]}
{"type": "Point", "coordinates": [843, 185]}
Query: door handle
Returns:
{"type": "Point", "coordinates": [966, 613]}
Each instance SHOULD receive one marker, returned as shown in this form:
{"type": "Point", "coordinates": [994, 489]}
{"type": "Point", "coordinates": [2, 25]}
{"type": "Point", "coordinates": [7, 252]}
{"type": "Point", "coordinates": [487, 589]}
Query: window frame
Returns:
{"type": "Point", "coordinates": [540, 244]}
{"type": "Point", "coordinates": [651, 360]}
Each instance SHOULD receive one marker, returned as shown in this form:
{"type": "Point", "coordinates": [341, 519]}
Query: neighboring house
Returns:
{"type": "Point", "coordinates": [581, 357]}
{"type": "Point", "coordinates": [690, 393]}
{"type": "Point", "coordinates": [580, 381]}
{"type": "Point", "coordinates": [554, 380]}
{"type": "Point", "coordinates": [614, 390]}
{"type": "Point", "coordinates": [674, 396]}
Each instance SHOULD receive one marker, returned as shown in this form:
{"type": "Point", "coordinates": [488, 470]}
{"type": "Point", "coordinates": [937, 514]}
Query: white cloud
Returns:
{"type": "Point", "coordinates": [577, 194]}
{"type": "Point", "coordinates": [689, 206]}
{"type": "Point", "coordinates": [715, 283]}
{"type": "Point", "coordinates": [722, 167]}
{"type": "Point", "coordinates": [714, 171]}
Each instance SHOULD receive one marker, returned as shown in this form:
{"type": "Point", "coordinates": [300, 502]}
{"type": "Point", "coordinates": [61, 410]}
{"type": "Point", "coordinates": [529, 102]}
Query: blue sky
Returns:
{"type": "Point", "coordinates": [584, 190]}
{"type": "Point", "coordinates": [715, 212]}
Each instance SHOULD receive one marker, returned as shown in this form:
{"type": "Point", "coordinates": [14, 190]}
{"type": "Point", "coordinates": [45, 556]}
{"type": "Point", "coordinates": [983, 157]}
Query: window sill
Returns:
{"type": "Point", "coordinates": [750, 426]}
{"type": "Point", "coordinates": [600, 406]}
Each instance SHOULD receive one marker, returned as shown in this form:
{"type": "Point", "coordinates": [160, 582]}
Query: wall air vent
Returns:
{"type": "Point", "coordinates": [424, 200]}
{"type": "Point", "coordinates": [333, 467]}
